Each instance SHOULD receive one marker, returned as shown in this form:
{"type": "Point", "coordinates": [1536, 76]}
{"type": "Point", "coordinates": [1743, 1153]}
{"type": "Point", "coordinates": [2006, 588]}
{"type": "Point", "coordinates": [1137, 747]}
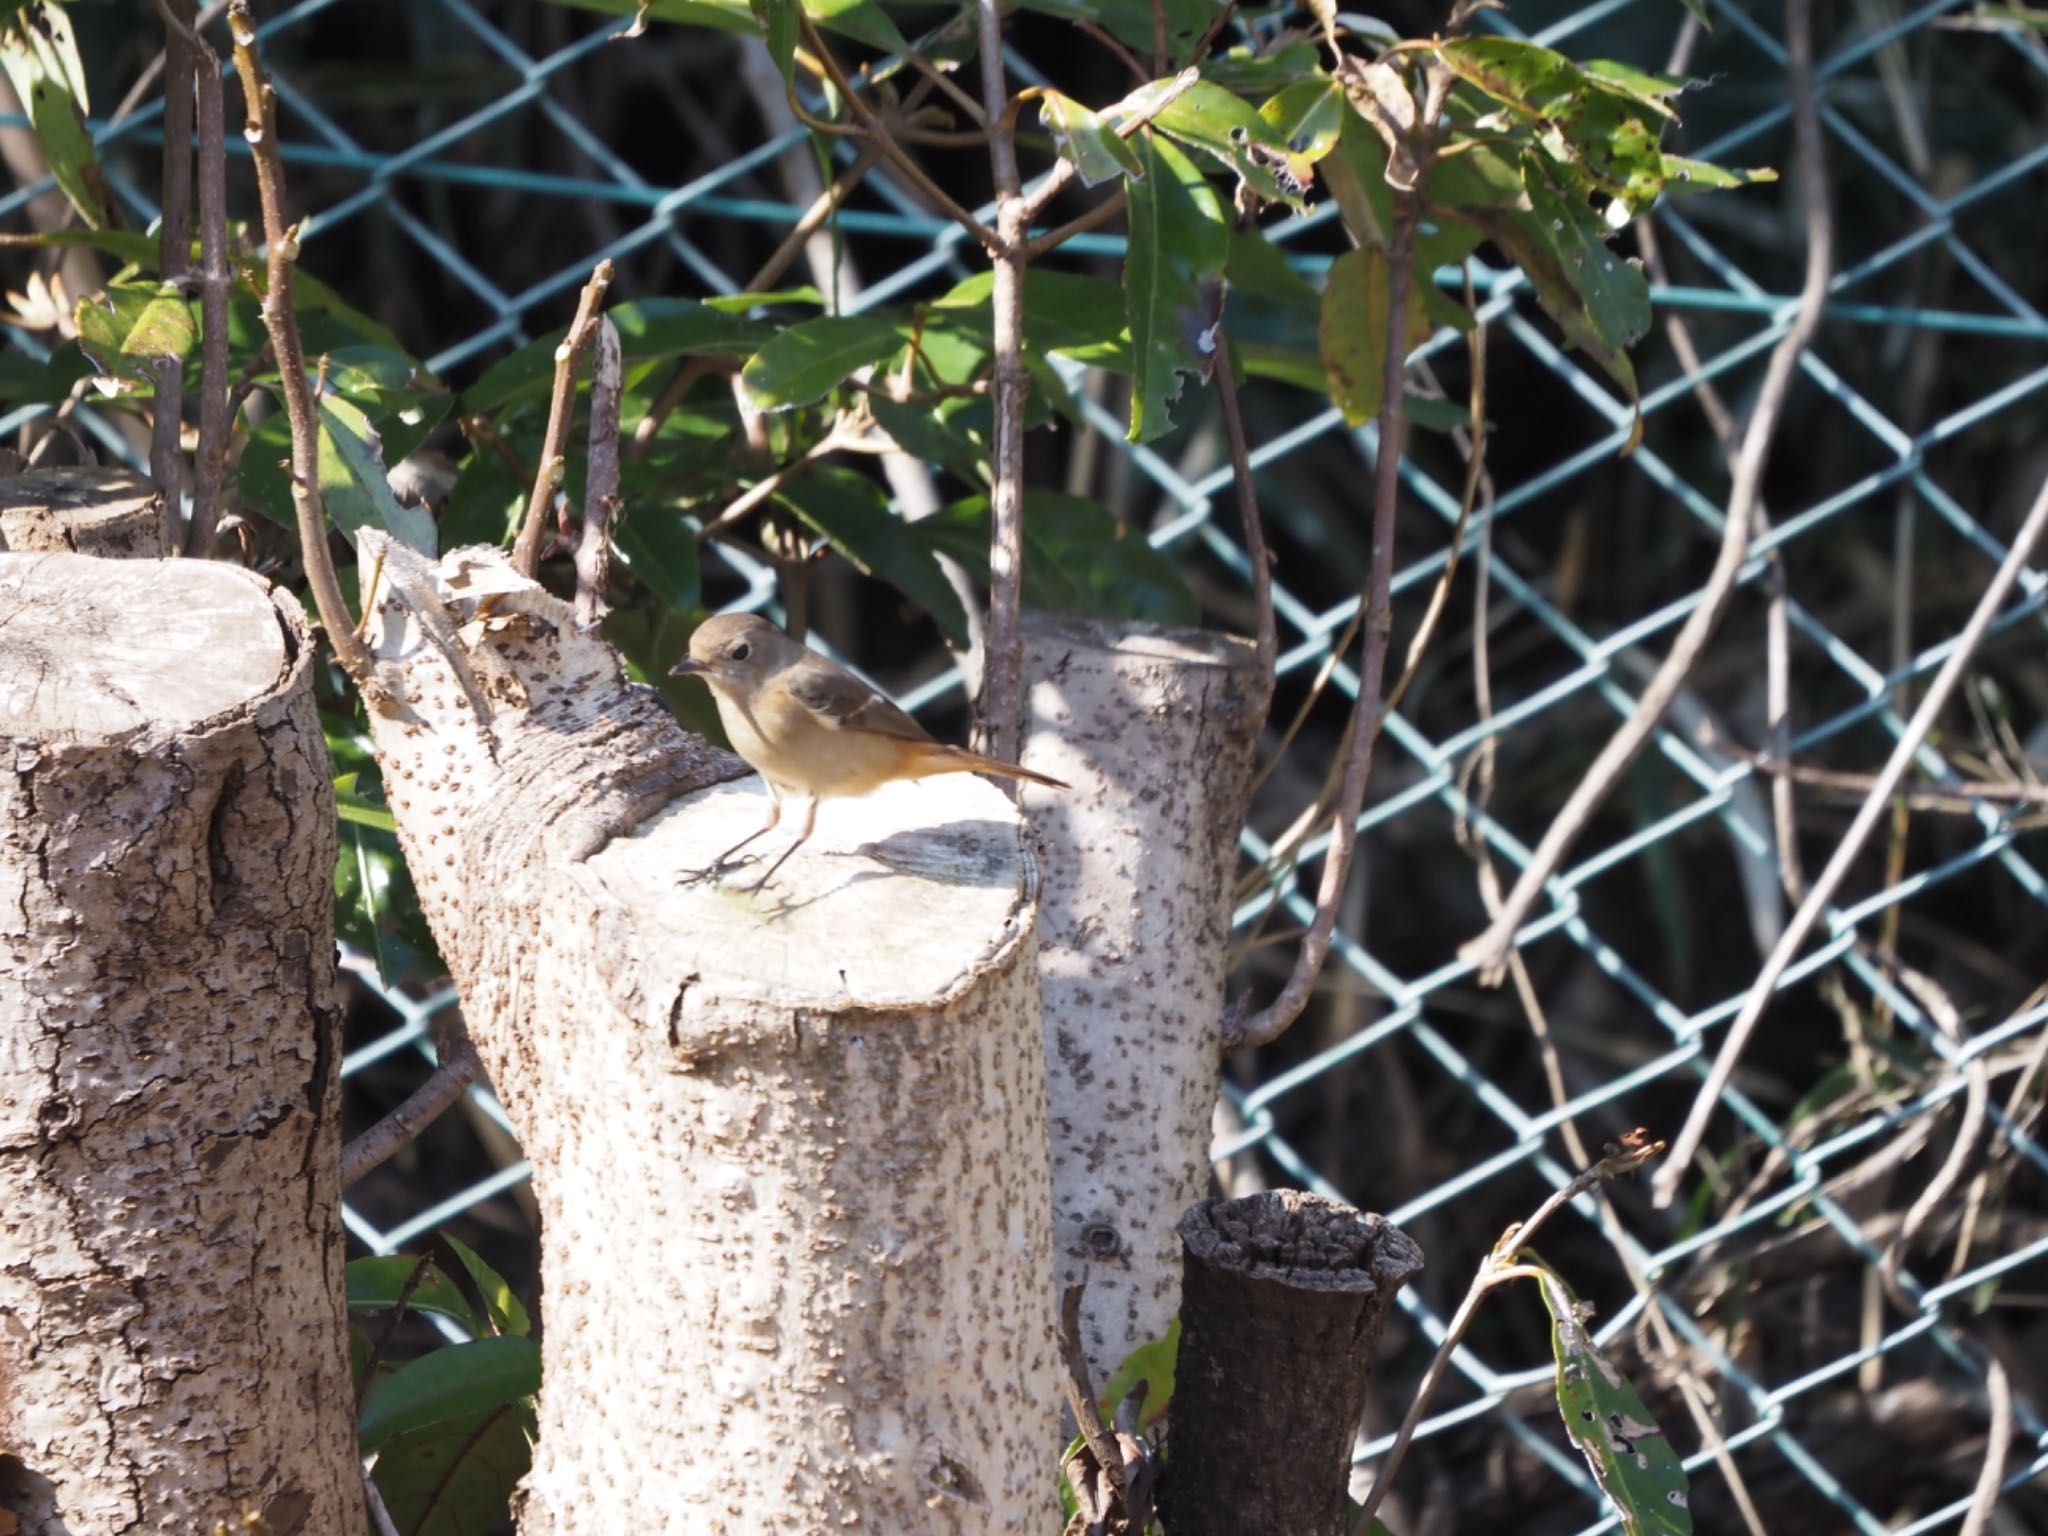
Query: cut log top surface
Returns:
{"type": "Point", "coordinates": [91, 650]}
{"type": "Point", "coordinates": [900, 898]}
{"type": "Point", "coordinates": [1156, 642]}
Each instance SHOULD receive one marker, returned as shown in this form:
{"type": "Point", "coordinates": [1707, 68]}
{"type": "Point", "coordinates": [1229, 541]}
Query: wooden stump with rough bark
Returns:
{"type": "Point", "coordinates": [172, 1328]}
{"type": "Point", "coordinates": [112, 512]}
{"type": "Point", "coordinates": [1155, 729]}
{"type": "Point", "coordinates": [788, 1146]}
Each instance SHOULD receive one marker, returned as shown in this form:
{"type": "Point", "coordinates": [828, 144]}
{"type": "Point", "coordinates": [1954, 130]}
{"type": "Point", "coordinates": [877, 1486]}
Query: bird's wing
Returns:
{"type": "Point", "coordinates": [843, 702]}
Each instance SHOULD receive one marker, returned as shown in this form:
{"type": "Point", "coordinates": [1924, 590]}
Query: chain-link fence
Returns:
{"type": "Point", "coordinates": [1819, 1349]}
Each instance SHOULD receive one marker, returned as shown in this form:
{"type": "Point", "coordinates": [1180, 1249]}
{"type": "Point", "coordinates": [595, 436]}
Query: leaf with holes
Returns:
{"type": "Point", "coordinates": [1173, 286]}
{"type": "Point", "coordinates": [1225, 127]}
{"type": "Point", "coordinates": [1632, 1461]}
{"type": "Point", "coordinates": [814, 357]}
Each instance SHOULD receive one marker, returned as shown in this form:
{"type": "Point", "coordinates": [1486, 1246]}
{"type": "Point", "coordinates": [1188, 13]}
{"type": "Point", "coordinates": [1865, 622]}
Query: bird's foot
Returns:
{"type": "Point", "coordinates": [717, 870]}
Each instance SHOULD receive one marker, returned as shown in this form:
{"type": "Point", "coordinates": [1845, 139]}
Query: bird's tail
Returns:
{"type": "Point", "coordinates": [949, 759]}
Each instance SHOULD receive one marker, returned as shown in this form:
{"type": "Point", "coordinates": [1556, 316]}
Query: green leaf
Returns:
{"type": "Point", "coordinates": [1652, 91]}
{"type": "Point", "coordinates": [507, 1315]}
{"type": "Point", "coordinates": [1064, 312]}
{"type": "Point", "coordinates": [853, 515]}
{"type": "Point", "coordinates": [470, 1378]}
{"type": "Point", "coordinates": [945, 434]}
{"type": "Point", "coordinates": [1354, 330]}
{"type": "Point", "coordinates": [126, 327]}
{"type": "Point", "coordinates": [40, 55]}
{"type": "Point", "coordinates": [1224, 126]}
{"type": "Point", "coordinates": [1178, 244]}
{"type": "Point", "coordinates": [455, 1478]}
{"type": "Point", "coordinates": [124, 245]}
{"type": "Point", "coordinates": [375, 1284]}
{"type": "Point", "coordinates": [1433, 413]}
{"type": "Point", "coordinates": [352, 807]}
{"type": "Point", "coordinates": [1131, 21]}
{"type": "Point", "coordinates": [1082, 137]}
{"type": "Point", "coordinates": [781, 21]}
{"type": "Point", "coordinates": [811, 359]}
{"type": "Point", "coordinates": [1631, 1460]}
{"type": "Point", "coordinates": [862, 20]}
{"type": "Point", "coordinates": [648, 329]}
{"type": "Point", "coordinates": [1260, 74]}
{"type": "Point", "coordinates": [1153, 1364]}
{"type": "Point", "coordinates": [1077, 558]}
{"type": "Point", "coordinates": [661, 551]}
{"type": "Point", "coordinates": [1683, 175]}
{"type": "Point", "coordinates": [1308, 117]}
{"type": "Point", "coordinates": [1535, 81]}
{"type": "Point", "coordinates": [351, 475]}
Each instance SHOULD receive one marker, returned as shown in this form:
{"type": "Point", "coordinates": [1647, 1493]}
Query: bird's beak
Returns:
{"type": "Point", "coordinates": [689, 666]}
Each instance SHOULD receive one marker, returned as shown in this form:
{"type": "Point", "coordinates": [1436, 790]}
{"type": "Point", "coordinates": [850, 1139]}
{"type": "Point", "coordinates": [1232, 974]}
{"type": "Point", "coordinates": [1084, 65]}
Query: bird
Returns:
{"type": "Point", "coordinates": [811, 728]}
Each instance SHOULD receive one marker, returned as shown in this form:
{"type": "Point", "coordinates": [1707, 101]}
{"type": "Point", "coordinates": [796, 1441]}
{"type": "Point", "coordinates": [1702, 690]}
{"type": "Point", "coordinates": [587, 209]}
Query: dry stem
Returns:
{"type": "Point", "coordinates": [281, 251]}
{"type": "Point", "coordinates": [547, 475]}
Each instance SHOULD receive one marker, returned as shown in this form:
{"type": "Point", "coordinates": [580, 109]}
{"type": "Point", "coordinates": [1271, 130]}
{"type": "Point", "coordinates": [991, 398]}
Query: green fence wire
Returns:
{"type": "Point", "coordinates": [1988, 186]}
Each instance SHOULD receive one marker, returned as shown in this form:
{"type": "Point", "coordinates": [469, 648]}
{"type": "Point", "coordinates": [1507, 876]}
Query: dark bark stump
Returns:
{"type": "Point", "coordinates": [1282, 1300]}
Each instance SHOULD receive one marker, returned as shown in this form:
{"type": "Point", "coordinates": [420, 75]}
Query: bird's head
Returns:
{"type": "Point", "coordinates": [736, 651]}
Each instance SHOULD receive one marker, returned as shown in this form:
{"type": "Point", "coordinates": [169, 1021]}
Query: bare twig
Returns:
{"type": "Point", "coordinates": [1960, 799]}
{"type": "Point", "coordinates": [1686, 1144]}
{"type": "Point", "coordinates": [1248, 509]}
{"type": "Point", "coordinates": [1499, 1266]}
{"type": "Point", "coordinates": [216, 289]}
{"type": "Point", "coordinates": [373, 1500]}
{"type": "Point", "coordinates": [1976, 1096]}
{"type": "Point", "coordinates": [601, 481]}
{"type": "Point", "coordinates": [1002, 694]}
{"type": "Point", "coordinates": [174, 259]}
{"type": "Point", "coordinates": [1997, 1445]}
{"type": "Point", "coordinates": [1487, 950]}
{"type": "Point", "coordinates": [547, 475]}
{"type": "Point", "coordinates": [1271, 1021]}
{"type": "Point", "coordinates": [281, 250]}
{"type": "Point", "coordinates": [1081, 1391]}
{"type": "Point", "coordinates": [768, 485]}
{"type": "Point", "coordinates": [426, 1104]}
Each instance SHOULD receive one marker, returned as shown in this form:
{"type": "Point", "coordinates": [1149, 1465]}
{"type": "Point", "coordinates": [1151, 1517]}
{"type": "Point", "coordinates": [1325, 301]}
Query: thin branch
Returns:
{"type": "Point", "coordinates": [1976, 1097]}
{"type": "Point", "coordinates": [1080, 224]}
{"type": "Point", "coordinates": [1081, 1391]}
{"type": "Point", "coordinates": [1959, 799]}
{"type": "Point", "coordinates": [547, 475]}
{"type": "Point", "coordinates": [174, 259]}
{"type": "Point", "coordinates": [1687, 1142]}
{"type": "Point", "coordinates": [876, 131]}
{"type": "Point", "coordinates": [768, 485]}
{"type": "Point", "coordinates": [1499, 1266]}
{"type": "Point", "coordinates": [601, 479]}
{"type": "Point", "coordinates": [1997, 1445]}
{"type": "Point", "coordinates": [1488, 949]}
{"type": "Point", "coordinates": [1002, 695]}
{"type": "Point", "coordinates": [1271, 1022]}
{"type": "Point", "coordinates": [1267, 631]}
{"type": "Point", "coordinates": [281, 252]}
{"type": "Point", "coordinates": [402, 1127]}
{"type": "Point", "coordinates": [216, 290]}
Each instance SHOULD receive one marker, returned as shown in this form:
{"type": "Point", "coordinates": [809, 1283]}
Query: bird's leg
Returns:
{"type": "Point", "coordinates": [723, 862]}
{"type": "Point", "coordinates": [810, 820]}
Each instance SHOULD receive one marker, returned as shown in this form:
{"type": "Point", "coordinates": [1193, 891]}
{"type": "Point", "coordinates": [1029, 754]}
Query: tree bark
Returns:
{"type": "Point", "coordinates": [1155, 729]}
{"type": "Point", "coordinates": [111, 512]}
{"type": "Point", "coordinates": [1283, 1302]}
{"type": "Point", "coordinates": [172, 1328]}
{"type": "Point", "coordinates": [788, 1147]}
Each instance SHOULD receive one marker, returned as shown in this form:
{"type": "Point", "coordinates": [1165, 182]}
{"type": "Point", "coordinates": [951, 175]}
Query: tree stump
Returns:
{"type": "Point", "coordinates": [172, 1326]}
{"type": "Point", "coordinates": [1281, 1311]}
{"type": "Point", "coordinates": [788, 1146]}
{"type": "Point", "coordinates": [112, 512]}
{"type": "Point", "coordinates": [1155, 729]}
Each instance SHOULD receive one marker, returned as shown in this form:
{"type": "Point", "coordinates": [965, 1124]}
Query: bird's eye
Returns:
{"type": "Point", "coordinates": [741, 651]}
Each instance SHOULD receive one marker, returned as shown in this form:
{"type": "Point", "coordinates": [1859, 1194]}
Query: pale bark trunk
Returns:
{"type": "Point", "coordinates": [789, 1149]}
{"type": "Point", "coordinates": [111, 512]}
{"type": "Point", "coordinates": [1155, 730]}
{"type": "Point", "coordinates": [172, 1329]}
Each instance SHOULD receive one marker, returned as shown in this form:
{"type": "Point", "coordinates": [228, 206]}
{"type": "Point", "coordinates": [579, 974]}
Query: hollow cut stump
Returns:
{"type": "Point", "coordinates": [788, 1146]}
{"type": "Point", "coordinates": [1155, 729]}
{"type": "Point", "coordinates": [172, 1327]}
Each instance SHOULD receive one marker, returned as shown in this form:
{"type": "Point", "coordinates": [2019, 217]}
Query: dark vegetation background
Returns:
{"type": "Point", "coordinates": [1396, 1122]}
